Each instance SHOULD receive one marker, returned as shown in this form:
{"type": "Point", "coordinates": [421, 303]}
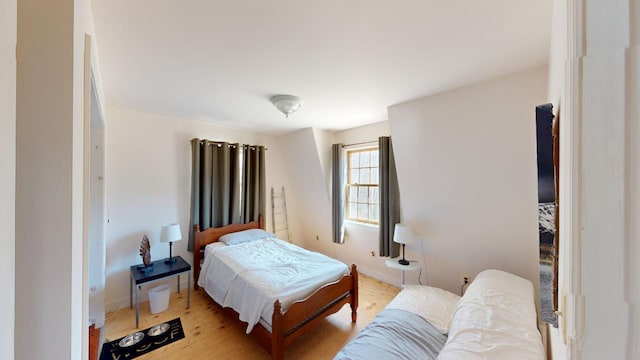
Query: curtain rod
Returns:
{"type": "Point", "coordinates": [220, 143]}
{"type": "Point", "coordinates": [361, 143]}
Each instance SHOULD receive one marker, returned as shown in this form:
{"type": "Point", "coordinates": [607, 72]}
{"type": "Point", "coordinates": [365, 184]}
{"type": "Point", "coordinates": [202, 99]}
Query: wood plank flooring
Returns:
{"type": "Point", "coordinates": [211, 334]}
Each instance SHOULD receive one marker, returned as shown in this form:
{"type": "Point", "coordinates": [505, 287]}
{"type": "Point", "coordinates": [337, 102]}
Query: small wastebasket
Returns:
{"type": "Point", "coordinates": [159, 298]}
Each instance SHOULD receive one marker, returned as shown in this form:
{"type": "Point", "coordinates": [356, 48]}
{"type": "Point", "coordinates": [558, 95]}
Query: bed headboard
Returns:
{"type": "Point", "coordinates": [211, 235]}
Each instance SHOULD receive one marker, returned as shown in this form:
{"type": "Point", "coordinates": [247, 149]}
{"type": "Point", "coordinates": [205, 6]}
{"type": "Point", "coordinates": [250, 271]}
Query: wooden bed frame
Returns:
{"type": "Point", "coordinates": [303, 314]}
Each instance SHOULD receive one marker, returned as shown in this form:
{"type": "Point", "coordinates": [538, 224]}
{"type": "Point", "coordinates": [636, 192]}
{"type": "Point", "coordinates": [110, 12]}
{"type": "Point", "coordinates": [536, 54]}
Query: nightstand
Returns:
{"type": "Point", "coordinates": [161, 270]}
{"type": "Point", "coordinates": [393, 264]}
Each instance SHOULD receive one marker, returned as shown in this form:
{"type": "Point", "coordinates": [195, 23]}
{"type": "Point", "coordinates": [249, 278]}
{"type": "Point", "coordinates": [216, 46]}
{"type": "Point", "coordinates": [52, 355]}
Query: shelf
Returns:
{"type": "Point", "coordinates": [393, 263]}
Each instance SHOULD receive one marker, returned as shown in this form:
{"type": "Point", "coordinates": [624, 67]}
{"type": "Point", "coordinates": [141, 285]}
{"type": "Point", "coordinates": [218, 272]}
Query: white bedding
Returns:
{"type": "Point", "coordinates": [495, 320]}
{"type": "Point", "coordinates": [432, 304]}
{"type": "Point", "coordinates": [250, 276]}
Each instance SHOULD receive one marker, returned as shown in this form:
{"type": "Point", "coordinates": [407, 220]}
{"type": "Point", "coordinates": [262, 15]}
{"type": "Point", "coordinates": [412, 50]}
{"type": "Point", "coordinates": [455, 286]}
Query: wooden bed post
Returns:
{"type": "Point", "coordinates": [277, 332]}
{"type": "Point", "coordinates": [354, 294]}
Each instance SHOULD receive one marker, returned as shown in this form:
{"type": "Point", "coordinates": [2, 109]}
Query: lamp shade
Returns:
{"type": "Point", "coordinates": [170, 233]}
{"type": "Point", "coordinates": [402, 234]}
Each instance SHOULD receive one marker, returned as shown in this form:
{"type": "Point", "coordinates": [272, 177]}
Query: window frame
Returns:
{"type": "Point", "coordinates": [356, 186]}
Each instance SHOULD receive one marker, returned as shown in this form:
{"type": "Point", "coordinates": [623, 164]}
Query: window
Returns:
{"type": "Point", "coordinates": [363, 202]}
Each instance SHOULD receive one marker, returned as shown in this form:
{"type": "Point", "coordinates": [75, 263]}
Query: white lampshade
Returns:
{"type": "Point", "coordinates": [170, 233]}
{"type": "Point", "coordinates": [402, 234]}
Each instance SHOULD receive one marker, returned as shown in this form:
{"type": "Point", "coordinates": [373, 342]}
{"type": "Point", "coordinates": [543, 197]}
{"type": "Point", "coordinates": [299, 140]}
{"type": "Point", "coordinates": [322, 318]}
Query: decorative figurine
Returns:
{"type": "Point", "coordinates": [145, 250]}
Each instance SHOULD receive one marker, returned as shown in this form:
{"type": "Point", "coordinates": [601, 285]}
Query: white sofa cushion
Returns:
{"type": "Point", "coordinates": [495, 319]}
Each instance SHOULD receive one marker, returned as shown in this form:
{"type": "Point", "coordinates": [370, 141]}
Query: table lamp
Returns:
{"type": "Point", "coordinates": [170, 233]}
{"type": "Point", "coordinates": [402, 235]}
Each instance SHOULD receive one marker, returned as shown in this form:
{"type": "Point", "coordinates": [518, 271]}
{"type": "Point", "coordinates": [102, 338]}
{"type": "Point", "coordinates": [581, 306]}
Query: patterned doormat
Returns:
{"type": "Point", "coordinates": [143, 342]}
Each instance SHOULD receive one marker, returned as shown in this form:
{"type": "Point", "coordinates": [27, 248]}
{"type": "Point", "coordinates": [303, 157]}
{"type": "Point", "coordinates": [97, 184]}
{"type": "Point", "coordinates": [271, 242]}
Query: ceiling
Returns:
{"type": "Point", "coordinates": [221, 61]}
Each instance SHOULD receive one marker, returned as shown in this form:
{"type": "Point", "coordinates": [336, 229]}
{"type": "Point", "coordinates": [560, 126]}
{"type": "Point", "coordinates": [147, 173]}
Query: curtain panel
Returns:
{"type": "Point", "coordinates": [389, 198]}
{"type": "Point", "coordinates": [337, 192]}
{"type": "Point", "coordinates": [215, 185]}
{"type": "Point", "coordinates": [254, 191]}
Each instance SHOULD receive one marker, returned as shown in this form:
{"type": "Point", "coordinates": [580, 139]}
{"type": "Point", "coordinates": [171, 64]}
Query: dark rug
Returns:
{"type": "Point", "coordinates": [113, 351]}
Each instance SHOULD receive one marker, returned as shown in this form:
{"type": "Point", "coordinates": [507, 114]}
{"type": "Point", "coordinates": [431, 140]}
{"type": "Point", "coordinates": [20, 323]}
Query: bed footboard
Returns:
{"type": "Point", "coordinates": [304, 314]}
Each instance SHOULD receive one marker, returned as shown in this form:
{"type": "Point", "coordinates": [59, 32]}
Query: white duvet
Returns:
{"type": "Point", "coordinates": [250, 276]}
{"type": "Point", "coordinates": [495, 320]}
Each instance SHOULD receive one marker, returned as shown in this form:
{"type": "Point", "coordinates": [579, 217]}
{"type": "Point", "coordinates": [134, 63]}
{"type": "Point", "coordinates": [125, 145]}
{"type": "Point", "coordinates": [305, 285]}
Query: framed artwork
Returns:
{"type": "Point", "coordinates": [547, 131]}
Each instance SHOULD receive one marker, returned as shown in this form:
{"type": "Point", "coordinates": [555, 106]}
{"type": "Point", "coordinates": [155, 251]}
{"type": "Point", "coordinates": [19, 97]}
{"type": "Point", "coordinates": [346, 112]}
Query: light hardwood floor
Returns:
{"type": "Point", "coordinates": [212, 334]}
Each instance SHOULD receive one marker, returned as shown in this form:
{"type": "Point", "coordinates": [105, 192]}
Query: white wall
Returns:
{"type": "Point", "coordinates": [149, 185]}
{"type": "Point", "coordinates": [304, 165]}
{"type": "Point", "coordinates": [556, 95]}
{"type": "Point", "coordinates": [633, 182]}
{"type": "Point", "coordinates": [557, 53]}
{"type": "Point", "coordinates": [632, 246]}
{"type": "Point", "coordinates": [466, 162]}
{"type": "Point", "coordinates": [97, 218]}
{"type": "Point", "coordinates": [608, 197]}
{"type": "Point", "coordinates": [49, 179]}
{"type": "Point", "coordinates": [44, 165]}
{"type": "Point", "coordinates": [323, 140]}
{"type": "Point", "coordinates": [598, 92]}
{"type": "Point", "coordinates": [8, 27]}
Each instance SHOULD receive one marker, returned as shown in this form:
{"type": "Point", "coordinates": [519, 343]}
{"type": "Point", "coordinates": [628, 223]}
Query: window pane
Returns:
{"type": "Point", "coordinates": [373, 212]}
{"type": "Point", "coordinates": [374, 158]}
{"type": "Point", "coordinates": [354, 176]}
{"type": "Point", "coordinates": [352, 194]}
{"type": "Point", "coordinates": [364, 158]}
{"type": "Point", "coordinates": [352, 211]}
{"type": "Point", "coordinates": [363, 211]}
{"type": "Point", "coordinates": [364, 176]}
{"type": "Point", "coordinates": [373, 194]}
{"type": "Point", "coordinates": [363, 200]}
{"type": "Point", "coordinates": [363, 194]}
{"type": "Point", "coordinates": [354, 159]}
{"type": "Point", "coordinates": [374, 176]}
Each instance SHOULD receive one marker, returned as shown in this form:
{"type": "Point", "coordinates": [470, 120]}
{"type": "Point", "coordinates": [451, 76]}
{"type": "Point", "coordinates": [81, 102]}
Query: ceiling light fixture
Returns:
{"type": "Point", "coordinates": [287, 104]}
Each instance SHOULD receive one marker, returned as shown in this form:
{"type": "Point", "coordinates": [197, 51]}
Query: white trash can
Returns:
{"type": "Point", "coordinates": [159, 298]}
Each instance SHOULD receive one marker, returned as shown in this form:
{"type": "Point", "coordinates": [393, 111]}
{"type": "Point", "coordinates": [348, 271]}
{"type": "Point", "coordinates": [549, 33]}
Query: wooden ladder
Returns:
{"type": "Point", "coordinates": [279, 220]}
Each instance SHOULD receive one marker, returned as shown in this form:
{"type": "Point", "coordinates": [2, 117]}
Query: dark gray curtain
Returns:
{"type": "Point", "coordinates": [337, 193]}
{"type": "Point", "coordinates": [215, 185]}
{"type": "Point", "coordinates": [389, 198]}
{"type": "Point", "coordinates": [254, 185]}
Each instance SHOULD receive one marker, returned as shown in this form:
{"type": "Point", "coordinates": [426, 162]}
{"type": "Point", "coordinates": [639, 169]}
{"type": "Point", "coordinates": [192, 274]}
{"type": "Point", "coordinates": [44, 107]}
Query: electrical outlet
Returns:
{"type": "Point", "coordinates": [373, 253]}
{"type": "Point", "coordinates": [466, 279]}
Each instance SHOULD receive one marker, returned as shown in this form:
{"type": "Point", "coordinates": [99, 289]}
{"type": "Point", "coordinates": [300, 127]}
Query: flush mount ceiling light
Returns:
{"type": "Point", "coordinates": [287, 104]}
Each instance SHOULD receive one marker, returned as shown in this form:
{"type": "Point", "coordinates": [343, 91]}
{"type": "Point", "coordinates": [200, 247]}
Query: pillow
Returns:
{"type": "Point", "coordinates": [244, 236]}
{"type": "Point", "coordinates": [434, 305]}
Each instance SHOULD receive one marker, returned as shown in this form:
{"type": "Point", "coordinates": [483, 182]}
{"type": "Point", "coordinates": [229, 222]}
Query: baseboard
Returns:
{"type": "Point", "coordinates": [378, 275]}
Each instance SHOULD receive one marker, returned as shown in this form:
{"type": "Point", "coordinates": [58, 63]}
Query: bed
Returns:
{"type": "Point", "coordinates": [272, 294]}
{"type": "Point", "coordinates": [495, 319]}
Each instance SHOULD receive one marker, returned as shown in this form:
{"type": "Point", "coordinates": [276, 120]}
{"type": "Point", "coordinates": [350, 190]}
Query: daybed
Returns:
{"type": "Point", "coordinates": [495, 319]}
{"type": "Point", "coordinates": [280, 290]}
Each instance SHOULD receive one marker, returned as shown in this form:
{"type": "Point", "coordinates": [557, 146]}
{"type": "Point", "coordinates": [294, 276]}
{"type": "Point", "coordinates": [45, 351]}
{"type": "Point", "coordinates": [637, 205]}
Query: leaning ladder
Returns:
{"type": "Point", "coordinates": [279, 220]}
